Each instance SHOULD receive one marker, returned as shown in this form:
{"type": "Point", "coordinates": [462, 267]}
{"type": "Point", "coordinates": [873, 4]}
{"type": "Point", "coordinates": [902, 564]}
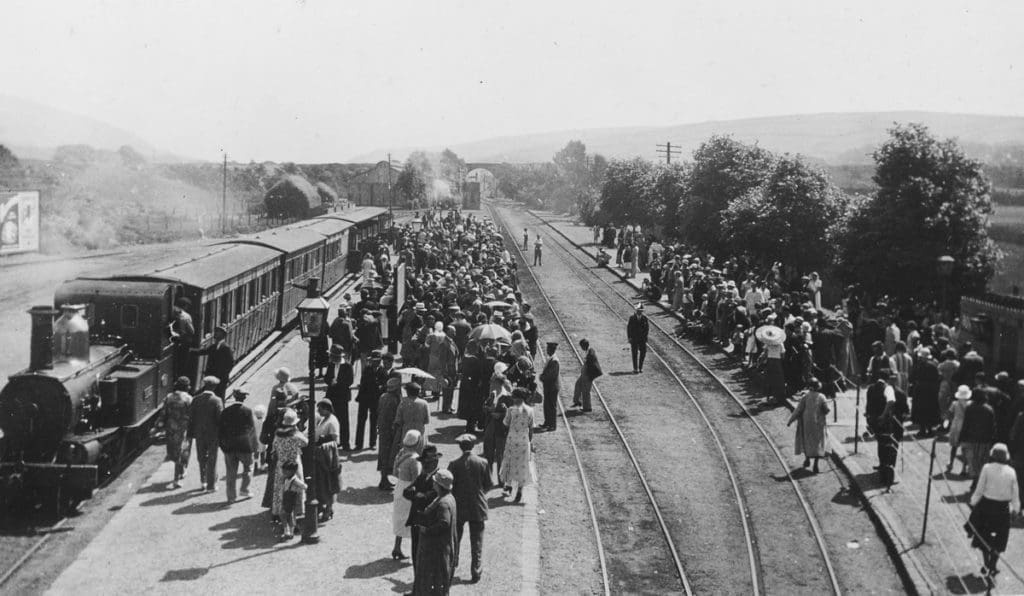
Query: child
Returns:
{"type": "Point", "coordinates": [294, 489]}
{"type": "Point", "coordinates": [260, 412]}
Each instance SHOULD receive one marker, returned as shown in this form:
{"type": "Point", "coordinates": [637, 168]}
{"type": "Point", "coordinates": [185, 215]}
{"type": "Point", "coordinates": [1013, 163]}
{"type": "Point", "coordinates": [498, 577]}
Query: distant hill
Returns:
{"type": "Point", "coordinates": [33, 131]}
{"type": "Point", "coordinates": [832, 138]}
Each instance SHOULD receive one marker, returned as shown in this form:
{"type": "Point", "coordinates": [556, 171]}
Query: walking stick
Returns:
{"type": "Point", "coordinates": [928, 494]}
{"type": "Point", "coordinates": [856, 422]}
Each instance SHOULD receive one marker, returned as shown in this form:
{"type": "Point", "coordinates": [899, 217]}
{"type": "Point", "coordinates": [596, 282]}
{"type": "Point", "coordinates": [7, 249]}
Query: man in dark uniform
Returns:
{"type": "Point", "coordinates": [220, 359]}
{"type": "Point", "coordinates": [470, 399]}
{"type": "Point", "coordinates": [368, 396]}
{"type": "Point", "coordinates": [183, 335]}
{"type": "Point", "coordinates": [472, 480]}
{"type": "Point", "coordinates": [637, 329]}
{"type": "Point", "coordinates": [342, 341]}
{"type": "Point", "coordinates": [552, 385]}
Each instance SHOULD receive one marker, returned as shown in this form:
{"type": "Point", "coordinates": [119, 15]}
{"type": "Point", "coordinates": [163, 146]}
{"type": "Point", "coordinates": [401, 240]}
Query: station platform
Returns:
{"type": "Point", "coordinates": [185, 541]}
{"type": "Point", "coordinates": [938, 560]}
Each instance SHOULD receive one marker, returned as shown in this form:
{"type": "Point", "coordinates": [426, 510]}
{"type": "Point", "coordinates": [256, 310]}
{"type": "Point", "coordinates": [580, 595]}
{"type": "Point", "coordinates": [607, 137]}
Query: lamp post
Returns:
{"type": "Point", "coordinates": [312, 316]}
{"type": "Point", "coordinates": [944, 267]}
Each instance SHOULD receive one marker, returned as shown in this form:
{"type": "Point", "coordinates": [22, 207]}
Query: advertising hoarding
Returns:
{"type": "Point", "coordinates": [19, 221]}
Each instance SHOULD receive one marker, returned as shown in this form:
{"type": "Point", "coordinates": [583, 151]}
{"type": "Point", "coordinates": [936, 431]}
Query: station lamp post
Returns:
{"type": "Point", "coordinates": [944, 267]}
{"type": "Point", "coordinates": [312, 318]}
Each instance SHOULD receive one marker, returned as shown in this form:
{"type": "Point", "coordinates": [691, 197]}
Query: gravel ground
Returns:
{"type": "Point", "coordinates": [863, 565]}
{"type": "Point", "coordinates": [858, 552]}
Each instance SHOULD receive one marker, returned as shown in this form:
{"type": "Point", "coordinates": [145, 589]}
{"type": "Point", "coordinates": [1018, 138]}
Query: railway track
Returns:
{"type": "Point", "coordinates": [22, 538]}
{"type": "Point", "coordinates": [755, 494]}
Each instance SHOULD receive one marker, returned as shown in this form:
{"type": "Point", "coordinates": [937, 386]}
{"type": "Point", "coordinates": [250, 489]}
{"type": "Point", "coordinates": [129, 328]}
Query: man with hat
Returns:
{"type": "Point", "coordinates": [549, 378]}
{"type": "Point", "coordinates": [387, 408]}
{"type": "Point", "coordinates": [342, 341]}
{"type": "Point", "coordinates": [204, 429]}
{"type": "Point", "coordinates": [238, 441]}
{"type": "Point", "coordinates": [367, 398]}
{"type": "Point", "coordinates": [637, 329]}
{"type": "Point", "coordinates": [219, 359]}
{"type": "Point", "coordinates": [183, 334]}
{"type": "Point", "coordinates": [472, 480]}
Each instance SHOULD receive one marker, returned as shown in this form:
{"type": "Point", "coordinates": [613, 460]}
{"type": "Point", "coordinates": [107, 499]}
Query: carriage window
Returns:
{"type": "Point", "coordinates": [239, 301]}
{"type": "Point", "coordinates": [207, 318]}
{"type": "Point", "coordinates": [252, 292]}
{"type": "Point", "coordinates": [305, 262]}
{"type": "Point", "coordinates": [225, 309]}
{"type": "Point", "coordinates": [129, 316]}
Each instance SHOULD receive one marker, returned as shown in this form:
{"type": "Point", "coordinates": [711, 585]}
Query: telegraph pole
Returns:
{"type": "Point", "coordinates": [391, 214]}
{"type": "Point", "coordinates": [224, 199]}
{"type": "Point", "coordinates": [669, 151]}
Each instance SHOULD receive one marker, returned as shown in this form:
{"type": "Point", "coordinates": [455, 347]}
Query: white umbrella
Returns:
{"type": "Point", "coordinates": [498, 304]}
{"type": "Point", "coordinates": [414, 372]}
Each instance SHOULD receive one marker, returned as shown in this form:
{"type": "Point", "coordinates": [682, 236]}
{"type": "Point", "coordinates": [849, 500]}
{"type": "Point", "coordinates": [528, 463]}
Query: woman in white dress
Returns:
{"type": "Point", "coordinates": [407, 468]}
{"type": "Point", "coordinates": [515, 465]}
{"type": "Point", "coordinates": [810, 429]}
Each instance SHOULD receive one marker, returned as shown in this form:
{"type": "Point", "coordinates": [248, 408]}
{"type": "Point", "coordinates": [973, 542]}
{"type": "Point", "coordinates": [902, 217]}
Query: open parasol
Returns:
{"type": "Point", "coordinates": [770, 335]}
{"type": "Point", "coordinates": [489, 331]}
{"type": "Point", "coordinates": [498, 304]}
{"type": "Point", "coordinates": [412, 371]}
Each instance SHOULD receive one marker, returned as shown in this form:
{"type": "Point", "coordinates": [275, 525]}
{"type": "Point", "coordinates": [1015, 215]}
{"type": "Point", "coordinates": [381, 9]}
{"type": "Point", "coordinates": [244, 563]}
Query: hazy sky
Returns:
{"type": "Point", "coordinates": [327, 80]}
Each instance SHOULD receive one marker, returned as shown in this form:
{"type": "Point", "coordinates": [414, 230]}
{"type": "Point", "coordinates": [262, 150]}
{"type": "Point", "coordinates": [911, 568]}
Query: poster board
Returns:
{"type": "Point", "coordinates": [19, 221]}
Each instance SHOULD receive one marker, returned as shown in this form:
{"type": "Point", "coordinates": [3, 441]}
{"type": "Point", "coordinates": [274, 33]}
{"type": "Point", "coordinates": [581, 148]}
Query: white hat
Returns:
{"type": "Point", "coordinates": [412, 438]}
{"type": "Point", "coordinates": [963, 392]}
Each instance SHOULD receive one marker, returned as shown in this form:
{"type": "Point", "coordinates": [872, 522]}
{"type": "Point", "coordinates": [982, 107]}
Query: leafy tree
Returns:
{"type": "Point", "coordinates": [411, 183]}
{"type": "Point", "coordinates": [627, 195]}
{"type": "Point", "coordinates": [723, 170]}
{"type": "Point", "coordinates": [793, 217]}
{"type": "Point", "coordinates": [931, 201]}
{"type": "Point", "coordinates": [11, 173]}
{"type": "Point", "coordinates": [292, 196]}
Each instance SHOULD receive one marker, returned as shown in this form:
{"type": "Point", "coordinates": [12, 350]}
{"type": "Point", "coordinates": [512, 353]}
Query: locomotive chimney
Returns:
{"type": "Point", "coordinates": [41, 351]}
{"type": "Point", "coordinates": [71, 335]}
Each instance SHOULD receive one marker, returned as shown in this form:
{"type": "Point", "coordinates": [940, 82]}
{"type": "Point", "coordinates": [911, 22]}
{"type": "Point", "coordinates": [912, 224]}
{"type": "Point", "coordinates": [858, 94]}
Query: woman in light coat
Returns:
{"type": "Point", "coordinates": [956, 424]}
{"type": "Point", "coordinates": [407, 468]}
{"type": "Point", "coordinates": [515, 464]}
{"type": "Point", "coordinates": [810, 429]}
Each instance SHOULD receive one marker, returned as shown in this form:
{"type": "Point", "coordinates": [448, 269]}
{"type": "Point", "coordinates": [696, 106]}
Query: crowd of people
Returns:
{"type": "Point", "coordinates": [921, 375]}
{"type": "Point", "coordinates": [461, 323]}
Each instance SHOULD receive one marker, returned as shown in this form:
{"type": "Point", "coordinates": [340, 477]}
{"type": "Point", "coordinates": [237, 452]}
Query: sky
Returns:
{"type": "Point", "coordinates": [318, 80]}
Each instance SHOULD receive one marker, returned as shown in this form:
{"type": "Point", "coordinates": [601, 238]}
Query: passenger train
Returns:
{"type": "Point", "coordinates": [98, 375]}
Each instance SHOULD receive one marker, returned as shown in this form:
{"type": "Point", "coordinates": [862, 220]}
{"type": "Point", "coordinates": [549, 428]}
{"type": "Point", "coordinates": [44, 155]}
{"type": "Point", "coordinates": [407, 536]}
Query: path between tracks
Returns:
{"type": "Point", "coordinates": [944, 562]}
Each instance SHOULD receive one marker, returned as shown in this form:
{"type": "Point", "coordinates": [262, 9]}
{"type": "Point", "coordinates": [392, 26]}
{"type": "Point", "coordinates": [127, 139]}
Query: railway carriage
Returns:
{"type": "Point", "coordinates": [71, 419]}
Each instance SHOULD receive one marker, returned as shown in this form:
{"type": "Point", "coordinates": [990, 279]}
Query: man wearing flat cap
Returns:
{"type": "Point", "coordinates": [472, 480]}
{"type": "Point", "coordinates": [549, 378]}
{"type": "Point", "coordinates": [219, 359]}
{"type": "Point", "coordinates": [204, 429]}
{"type": "Point", "coordinates": [239, 441]}
{"type": "Point", "coordinates": [637, 329]}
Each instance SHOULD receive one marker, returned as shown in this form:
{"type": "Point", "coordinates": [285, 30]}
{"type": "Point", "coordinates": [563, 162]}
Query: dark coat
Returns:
{"type": "Point", "coordinates": [341, 334]}
{"type": "Point", "coordinates": [924, 378]}
{"type": "Point", "coordinates": [204, 416]}
{"type": "Point", "coordinates": [219, 361]}
{"type": "Point", "coordinates": [637, 328]}
{"type": "Point", "coordinates": [471, 400]}
{"type": "Point", "coordinates": [549, 377]}
{"type": "Point", "coordinates": [238, 429]}
{"type": "Point", "coordinates": [979, 423]}
{"type": "Point", "coordinates": [369, 388]}
{"type": "Point", "coordinates": [472, 481]}
{"type": "Point", "coordinates": [591, 367]}
{"type": "Point", "coordinates": [435, 556]}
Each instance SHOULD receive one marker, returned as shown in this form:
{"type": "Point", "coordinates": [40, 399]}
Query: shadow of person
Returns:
{"type": "Point", "coordinates": [445, 434]}
{"type": "Point", "coordinates": [400, 587]}
{"type": "Point", "coordinates": [201, 508]}
{"type": "Point", "coordinates": [961, 498]}
{"type": "Point", "coordinates": [179, 496]}
{"type": "Point", "coordinates": [366, 495]}
{"type": "Point", "coordinates": [966, 584]}
{"type": "Point", "coordinates": [365, 455]}
{"type": "Point", "coordinates": [846, 497]}
{"type": "Point", "coordinates": [380, 567]}
{"type": "Point", "coordinates": [247, 532]}
{"type": "Point", "coordinates": [869, 481]}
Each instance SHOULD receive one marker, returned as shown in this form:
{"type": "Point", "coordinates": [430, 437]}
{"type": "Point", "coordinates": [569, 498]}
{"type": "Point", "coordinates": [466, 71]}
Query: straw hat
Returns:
{"type": "Point", "coordinates": [411, 439]}
{"type": "Point", "coordinates": [963, 392]}
{"type": "Point", "coordinates": [444, 479]}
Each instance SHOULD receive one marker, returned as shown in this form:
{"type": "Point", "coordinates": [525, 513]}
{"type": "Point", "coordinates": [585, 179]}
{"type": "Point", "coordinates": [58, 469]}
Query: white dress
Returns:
{"type": "Point", "coordinates": [515, 466]}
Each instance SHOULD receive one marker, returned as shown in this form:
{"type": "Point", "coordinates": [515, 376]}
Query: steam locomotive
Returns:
{"type": "Point", "coordinates": [98, 374]}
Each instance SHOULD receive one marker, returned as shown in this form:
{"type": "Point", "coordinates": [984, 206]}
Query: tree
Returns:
{"type": "Point", "coordinates": [11, 174]}
{"type": "Point", "coordinates": [793, 217]}
{"type": "Point", "coordinates": [627, 193]}
{"type": "Point", "coordinates": [292, 196]}
{"type": "Point", "coordinates": [931, 201]}
{"type": "Point", "coordinates": [411, 183]}
{"type": "Point", "coordinates": [723, 170]}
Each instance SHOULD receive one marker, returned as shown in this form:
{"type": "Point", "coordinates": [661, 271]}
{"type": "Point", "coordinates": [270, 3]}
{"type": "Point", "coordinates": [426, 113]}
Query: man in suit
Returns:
{"type": "Point", "coordinates": [238, 440]}
{"type": "Point", "coordinates": [550, 381]}
{"type": "Point", "coordinates": [204, 429]}
{"type": "Point", "coordinates": [343, 343]}
{"type": "Point", "coordinates": [368, 397]}
{"type": "Point", "coordinates": [590, 371]}
{"type": "Point", "coordinates": [637, 329]}
{"type": "Point", "coordinates": [219, 359]}
{"type": "Point", "coordinates": [472, 480]}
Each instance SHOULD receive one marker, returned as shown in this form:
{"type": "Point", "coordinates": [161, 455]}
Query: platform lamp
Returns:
{"type": "Point", "coordinates": [944, 267]}
{"type": "Point", "coordinates": [312, 316]}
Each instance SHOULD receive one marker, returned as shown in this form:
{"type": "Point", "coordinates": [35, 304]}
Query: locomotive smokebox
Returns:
{"type": "Point", "coordinates": [41, 350]}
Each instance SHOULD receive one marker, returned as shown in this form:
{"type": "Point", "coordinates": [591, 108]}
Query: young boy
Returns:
{"type": "Point", "coordinates": [293, 492]}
